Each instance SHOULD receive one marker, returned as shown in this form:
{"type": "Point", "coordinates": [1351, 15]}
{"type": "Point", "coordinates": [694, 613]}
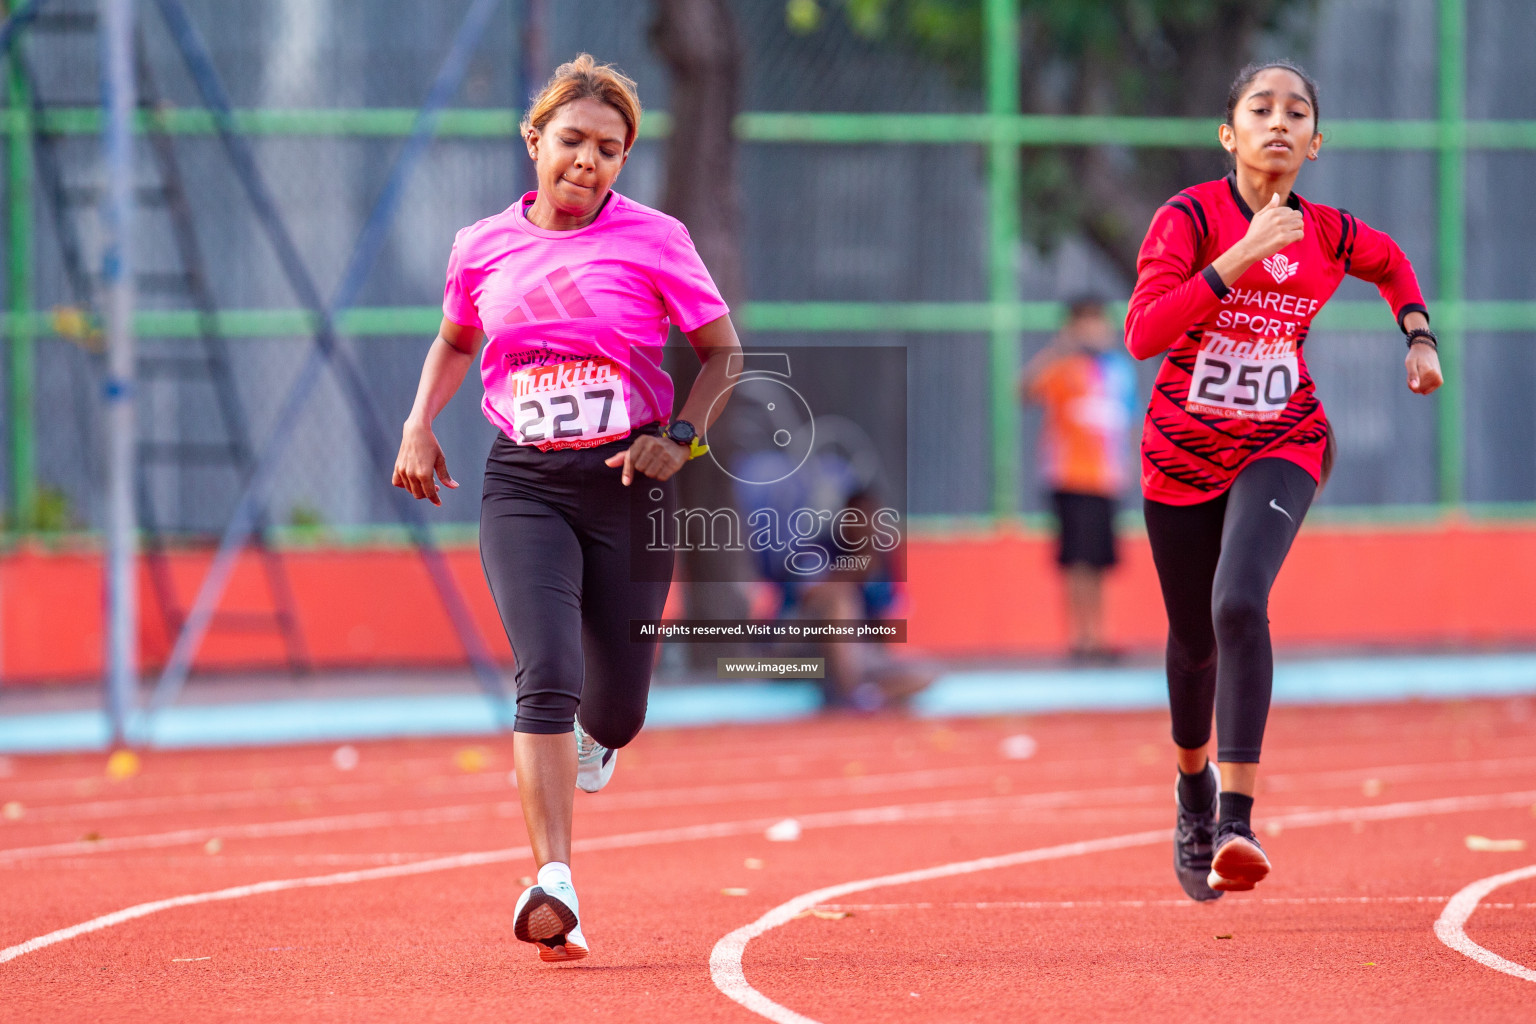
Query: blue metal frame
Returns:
{"type": "Point", "coordinates": [325, 350]}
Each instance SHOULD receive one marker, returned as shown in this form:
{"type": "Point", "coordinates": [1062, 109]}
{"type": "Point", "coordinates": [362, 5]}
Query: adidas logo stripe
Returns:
{"type": "Point", "coordinates": [542, 305]}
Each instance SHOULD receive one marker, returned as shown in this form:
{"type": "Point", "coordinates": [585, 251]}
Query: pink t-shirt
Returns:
{"type": "Point", "coordinates": [575, 320]}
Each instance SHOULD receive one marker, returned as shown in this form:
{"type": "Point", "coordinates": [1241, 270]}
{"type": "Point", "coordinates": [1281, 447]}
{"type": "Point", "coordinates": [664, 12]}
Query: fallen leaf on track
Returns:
{"type": "Point", "coordinates": [213, 846]}
{"type": "Point", "coordinates": [753, 864]}
{"type": "Point", "coordinates": [1482, 844]}
{"type": "Point", "coordinates": [472, 759]}
{"type": "Point", "coordinates": [1228, 935]}
{"type": "Point", "coordinates": [825, 915]}
{"type": "Point", "coordinates": [734, 891]}
{"type": "Point", "coordinates": [123, 764]}
{"type": "Point", "coordinates": [1373, 787]}
{"type": "Point", "coordinates": [12, 811]}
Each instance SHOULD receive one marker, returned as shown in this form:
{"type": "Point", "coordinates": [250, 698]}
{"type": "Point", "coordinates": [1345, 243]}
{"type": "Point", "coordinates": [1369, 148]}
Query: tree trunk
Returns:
{"type": "Point", "coordinates": [698, 42]}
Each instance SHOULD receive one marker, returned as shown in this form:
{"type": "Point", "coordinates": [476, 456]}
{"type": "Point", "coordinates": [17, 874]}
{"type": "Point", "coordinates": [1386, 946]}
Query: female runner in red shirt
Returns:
{"type": "Point", "coordinates": [573, 290]}
{"type": "Point", "coordinates": [1235, 442]}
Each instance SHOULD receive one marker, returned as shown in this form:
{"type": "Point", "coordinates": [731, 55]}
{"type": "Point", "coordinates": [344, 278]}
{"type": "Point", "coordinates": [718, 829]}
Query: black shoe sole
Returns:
{"type": "Point", "coordinates": [545, 921]}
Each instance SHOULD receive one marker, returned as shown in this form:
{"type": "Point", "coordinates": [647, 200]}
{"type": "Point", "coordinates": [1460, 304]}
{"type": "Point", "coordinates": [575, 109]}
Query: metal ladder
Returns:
{"type": "Point", "coordinates": [207, 365]}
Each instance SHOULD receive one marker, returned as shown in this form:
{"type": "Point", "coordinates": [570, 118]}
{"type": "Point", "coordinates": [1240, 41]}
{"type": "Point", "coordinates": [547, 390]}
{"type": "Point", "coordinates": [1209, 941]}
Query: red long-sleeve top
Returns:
{"type": "Point", "coordinates": [1234, 384]}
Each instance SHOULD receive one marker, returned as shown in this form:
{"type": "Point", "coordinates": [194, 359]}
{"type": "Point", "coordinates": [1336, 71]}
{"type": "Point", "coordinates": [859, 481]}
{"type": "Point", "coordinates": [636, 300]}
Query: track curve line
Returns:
{"type": "Point", "coordinates": [883, 815]}
{"type": "Point", "coordinates": [725, 960]}
{"type": "Point", "coordinates": [654, 837]}
{"type": "Point", "coordinates": [1450, 927]}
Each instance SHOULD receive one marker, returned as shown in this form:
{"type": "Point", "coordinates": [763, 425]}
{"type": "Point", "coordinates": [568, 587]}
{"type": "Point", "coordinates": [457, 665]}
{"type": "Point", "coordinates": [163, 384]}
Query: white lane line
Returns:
{"type": "Point", "coordinates": [1450, 927]}
{"type": "Point", "coordinates": [494, 781]}
{"type": "Point", "coordinates": [465, 812]}
{"type": "Point", "coordinates": [653, 837]}
{"type": "Point", "coordinates": [262, 830]}
{"type": "Point", "coordinates": [725, 959]}
{"type": "Point", "coordinates": [1287, 901]}
{"type": "Point", "coordinates": [725, 967]}
{"type": "Point", "coordinates": [829, 819]}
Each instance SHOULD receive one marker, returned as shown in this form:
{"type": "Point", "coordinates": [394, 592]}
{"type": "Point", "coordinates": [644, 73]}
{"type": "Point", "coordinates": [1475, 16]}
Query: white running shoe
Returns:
{"type": "Point", "coordinates": [548, 917]}
{"type": "Point", "coordinates": [594, 762]}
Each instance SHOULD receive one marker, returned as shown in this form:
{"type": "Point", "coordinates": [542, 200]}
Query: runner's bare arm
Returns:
{"type": "Point", "coordinates": [659, 458]}
{"type": "Point", "coordinates": [421, 457]}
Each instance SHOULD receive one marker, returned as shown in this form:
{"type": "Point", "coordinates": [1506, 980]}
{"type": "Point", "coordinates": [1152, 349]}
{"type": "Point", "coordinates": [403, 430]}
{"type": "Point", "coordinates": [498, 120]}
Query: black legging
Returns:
{"type": "Point", "coordinates": [555, 533]}
{"type": "Point", "coordinates": [1216, 562]}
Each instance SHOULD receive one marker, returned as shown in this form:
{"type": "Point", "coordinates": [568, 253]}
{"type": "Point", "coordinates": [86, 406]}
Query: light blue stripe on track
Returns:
{"type": "Point", "coordinates": [1330, 681]}
{"type": "Point", "coordinates": [1335, 680]}
{"type": "Point", "coordinates": [323, 721]}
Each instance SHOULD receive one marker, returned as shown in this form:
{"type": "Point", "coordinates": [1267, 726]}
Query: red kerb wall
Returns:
{"type": "Point", "coordinates": [985, 594]}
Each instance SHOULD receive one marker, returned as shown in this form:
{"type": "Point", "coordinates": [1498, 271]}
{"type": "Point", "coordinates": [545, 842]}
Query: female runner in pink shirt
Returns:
{"type": "Point", "coordinates": [573, 289]}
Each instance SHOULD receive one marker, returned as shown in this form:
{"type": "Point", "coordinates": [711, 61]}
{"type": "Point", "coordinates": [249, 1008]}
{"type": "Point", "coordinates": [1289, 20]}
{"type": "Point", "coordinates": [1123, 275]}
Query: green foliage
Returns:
{"type": "Point", "coordinates": [305, 516]}
{"type": "Point", "coordinates": [52, 512]}
{"type": "Point", "coordinates": [802, 16]}
{"type": "Point", "coordinates": [946, 31]}
{"type": "Point", "coordinates": [1162, 58]}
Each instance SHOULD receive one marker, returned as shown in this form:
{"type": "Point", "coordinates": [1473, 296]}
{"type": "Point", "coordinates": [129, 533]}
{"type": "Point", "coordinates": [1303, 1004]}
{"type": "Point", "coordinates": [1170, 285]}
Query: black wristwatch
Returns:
{"type": "Point", "coordinates": [682, 432]}
{"type": "Point", "coordinates": [1424, 336]}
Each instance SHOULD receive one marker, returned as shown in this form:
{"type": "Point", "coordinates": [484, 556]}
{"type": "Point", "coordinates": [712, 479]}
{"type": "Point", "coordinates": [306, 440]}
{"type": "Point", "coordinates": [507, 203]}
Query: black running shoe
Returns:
{"type": "Point", "coordinates": [1192, 844]}
{"type": "Point", "coordinates": [1238, 862]}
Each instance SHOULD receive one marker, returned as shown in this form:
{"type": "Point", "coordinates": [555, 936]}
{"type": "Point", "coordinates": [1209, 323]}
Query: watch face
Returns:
{"type": "Point", "coordinates": [681, 431]}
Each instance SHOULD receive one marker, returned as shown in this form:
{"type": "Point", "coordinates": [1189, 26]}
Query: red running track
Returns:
{"type": "Point", "coordinates": [415, 858]}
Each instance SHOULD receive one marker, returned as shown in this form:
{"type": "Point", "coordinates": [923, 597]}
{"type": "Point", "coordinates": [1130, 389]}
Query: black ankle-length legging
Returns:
{"type": "Point", "coordinates": [1216, 562]}
{"type": "Point", "coordinates": [555, 532]}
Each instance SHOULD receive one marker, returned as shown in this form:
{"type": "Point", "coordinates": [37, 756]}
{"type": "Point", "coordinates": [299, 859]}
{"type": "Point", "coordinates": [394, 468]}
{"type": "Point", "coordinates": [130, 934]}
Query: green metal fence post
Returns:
{"type": "Point", "coordinates": [1452, 228]}
{"type": "Point", "coordinates": [20, 340]}
{"type": "Point", "coordinates": [1002, 34]}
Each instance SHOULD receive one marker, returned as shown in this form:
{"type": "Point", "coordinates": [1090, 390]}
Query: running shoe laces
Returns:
{"type": "Point", "coordinates": [1193, 844]}
{"type": "Point", "coordinates": [594, 762]}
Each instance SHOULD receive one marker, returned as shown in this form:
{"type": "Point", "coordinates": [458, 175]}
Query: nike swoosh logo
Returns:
{"type": "Point", "coordinates": [1277, 508]}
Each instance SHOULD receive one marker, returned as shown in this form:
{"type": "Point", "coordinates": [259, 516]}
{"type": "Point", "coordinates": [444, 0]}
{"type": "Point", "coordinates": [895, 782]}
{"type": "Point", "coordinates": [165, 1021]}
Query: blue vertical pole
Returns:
{"type": "Point", "coordinates": [117, 88]}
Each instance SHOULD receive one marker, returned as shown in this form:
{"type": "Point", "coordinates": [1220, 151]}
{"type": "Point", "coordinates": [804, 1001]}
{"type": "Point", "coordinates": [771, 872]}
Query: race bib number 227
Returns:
{"type": "Point", "coordinates": [1250, 378]}
{"type": "Point", "coordinates": [574, 404]}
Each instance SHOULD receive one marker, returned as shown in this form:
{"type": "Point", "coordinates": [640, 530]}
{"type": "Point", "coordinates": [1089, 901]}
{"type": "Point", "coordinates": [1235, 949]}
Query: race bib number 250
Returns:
{"type": "Point", "coordinates": [574, 404]}
{"type": "Point", "coordinates": [1250, 378]}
